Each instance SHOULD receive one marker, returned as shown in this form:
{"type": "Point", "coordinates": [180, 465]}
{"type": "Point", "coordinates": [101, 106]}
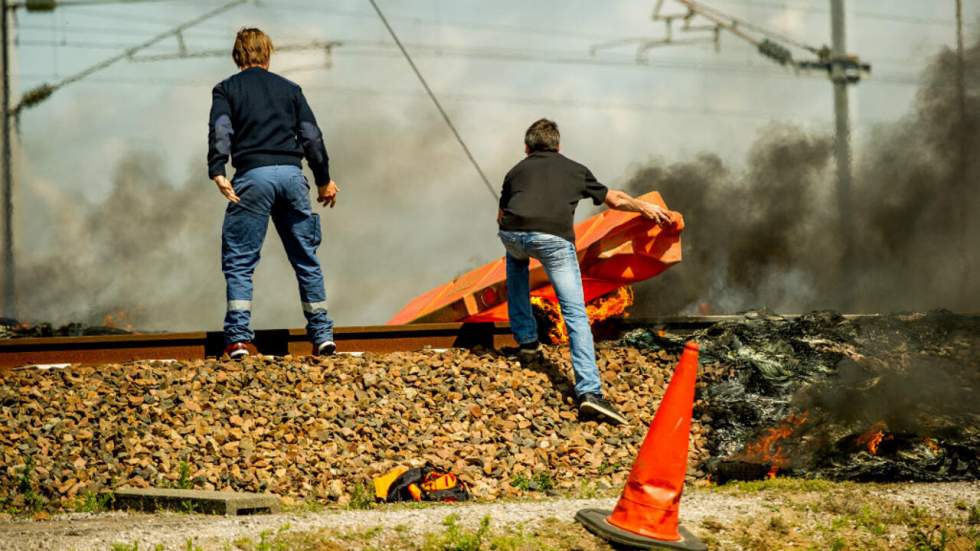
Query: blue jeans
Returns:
{"type": "Point", "coordinates": [281, 192]}
{"type": "Point", "coordinates": [560, 262]}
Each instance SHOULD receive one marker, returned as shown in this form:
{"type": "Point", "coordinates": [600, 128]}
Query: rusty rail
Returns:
{"type": "Point", "coordinates": [276, 342]}
{"type": "Point", "coordinates": [279, 342]}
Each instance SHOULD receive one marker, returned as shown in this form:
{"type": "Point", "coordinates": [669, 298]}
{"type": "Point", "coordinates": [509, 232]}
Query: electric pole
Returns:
{"type": "Point", "coordinates": [839, 63]}
{"type": "Point", "coordinates": [842, 68]}
{"type": "Point", "coordinates": [9, 309]}
{"type": "Point", "coordinates": [963, 127]}
{"type": "Point", "coordinates": [961, 89]}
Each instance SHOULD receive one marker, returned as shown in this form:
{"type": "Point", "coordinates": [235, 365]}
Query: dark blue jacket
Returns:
{"type": "Point", "coordinates": [259, 119]}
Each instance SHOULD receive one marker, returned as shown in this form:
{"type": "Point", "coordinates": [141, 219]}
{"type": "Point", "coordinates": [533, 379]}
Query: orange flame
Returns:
{"type": "Point", "coordinates": [602, 308]}
{"type": "Point", "coordinates": [873, 437]}
{"type": "Point", "coordinates": [118, 319]}
{"type": "Point", "coordinates": [769, 447]}
{"type": "Point", "coordinates": [932, 444]}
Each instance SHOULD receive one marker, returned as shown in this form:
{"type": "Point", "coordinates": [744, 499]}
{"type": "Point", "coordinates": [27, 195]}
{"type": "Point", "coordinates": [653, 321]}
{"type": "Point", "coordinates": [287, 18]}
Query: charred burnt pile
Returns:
{"type": "Point", "coordinates": [877, 398]}
{"type": "Point", "coordinates": [14, 329]}
{"type": "Point", "coordinates": [116, 322]}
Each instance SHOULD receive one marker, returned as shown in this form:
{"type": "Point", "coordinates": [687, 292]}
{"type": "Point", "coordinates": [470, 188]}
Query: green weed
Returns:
{"type": "Point", "coordinates": [92, 502]}
{"type": "Point", "coordinates": [361, 497]}
{"type": "Point", "coordinates": [781, 484]}
{"type": "Point", "coordinates": [934, 538]}
{"type": "Point", "coordinates": [269, 540]}
{"type": "Point", "coordinates": [538, 482]}
{"type": "Point", "coordinates": [25, 486]}
{"type": "Point", "coordinates": [457, 538]}
{"type": "Point", "coordinates": [184, 481]}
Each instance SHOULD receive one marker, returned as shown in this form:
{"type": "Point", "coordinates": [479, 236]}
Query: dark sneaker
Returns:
{"type": "Point", "coordinates": [597, 405]}
{"type": "Point", "coordinates": [238, 350]}
{"type": "Point", "coordinates": [529, 351]}
{"type": "Point", "coordinates": [325, 348]}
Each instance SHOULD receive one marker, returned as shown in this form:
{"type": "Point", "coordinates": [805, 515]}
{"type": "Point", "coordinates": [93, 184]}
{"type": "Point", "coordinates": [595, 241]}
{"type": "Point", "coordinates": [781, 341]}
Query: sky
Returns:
{"type": "Point", "coordinates": [412, 212]}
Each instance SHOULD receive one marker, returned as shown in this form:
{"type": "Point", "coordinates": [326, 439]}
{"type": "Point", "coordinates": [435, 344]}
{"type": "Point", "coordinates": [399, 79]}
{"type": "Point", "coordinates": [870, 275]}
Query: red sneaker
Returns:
{"type": "Point", "coordinates": [239, 350]}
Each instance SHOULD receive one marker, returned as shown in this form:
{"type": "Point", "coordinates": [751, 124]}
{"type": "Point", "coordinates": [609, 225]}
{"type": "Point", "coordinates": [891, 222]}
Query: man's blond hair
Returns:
{"type": "Point", "coordinates": [252, 48]}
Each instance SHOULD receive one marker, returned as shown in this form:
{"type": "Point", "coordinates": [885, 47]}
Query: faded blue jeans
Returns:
{"type": "Point", "coordinates": [282, 192]}
{"type": "Point", "coordinates": [560, 262]}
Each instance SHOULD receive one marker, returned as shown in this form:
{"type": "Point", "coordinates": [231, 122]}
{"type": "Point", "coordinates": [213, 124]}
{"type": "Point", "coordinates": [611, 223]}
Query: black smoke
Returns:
{"type": "Point", "coordinates": [770, 236]}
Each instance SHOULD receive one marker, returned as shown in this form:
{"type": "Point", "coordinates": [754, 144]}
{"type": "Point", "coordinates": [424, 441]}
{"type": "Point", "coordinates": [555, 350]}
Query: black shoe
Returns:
{"type": "Point", "coordinates": [325, 348]}
{"type": "Point", "coordinates": [529, 351]}
{"type": "Point", "coordinates": [596, 404]}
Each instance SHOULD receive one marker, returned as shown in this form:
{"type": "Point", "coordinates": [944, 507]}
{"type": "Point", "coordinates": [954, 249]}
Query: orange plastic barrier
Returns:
{"type": "Point", "coordinates": [646, 515]}
{"type": "Point", "coordinates": [615, 248]}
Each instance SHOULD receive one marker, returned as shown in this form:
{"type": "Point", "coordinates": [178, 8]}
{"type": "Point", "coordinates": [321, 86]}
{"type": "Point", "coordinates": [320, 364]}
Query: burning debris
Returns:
{"type": "Point", "coordinates": [878, 398]}
{"type": "Point", "coordinates": [13, 329]}
{"type": "Point", "coordinates": [551, 324]}
{"type": "Point", "coordinates": [614, 249]}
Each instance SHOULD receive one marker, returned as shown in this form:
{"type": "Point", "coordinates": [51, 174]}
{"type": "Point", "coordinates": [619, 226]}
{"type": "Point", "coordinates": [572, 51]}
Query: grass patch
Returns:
{"type": "Point", "coordinates": [25, 500]}
{"type": "Point", "coordinates": [449, 535]}
{"type": "Point", "coordinates": [135, 546]}
{"type": "Point", "coordinates": [457, 538]}
{"type": "Point", "coordinates": [269, 540]}
{"type": "Point", "coordinates": [184, 481]}
{"type": "Point", "coordinates": [781, 484]}
{"type": "Point", "coordinates": [304, 506]}
{"type": "Point", "coordinates": [973, 519]}
{"type": "Point", "coordinates": [538, 482]}
{"type": "Point", "coordinates": [93, 502]}
{"type": "Point", "coordinates": [839, 516]}
{"type": "Point", "coordinates": [184, 476]}
{"type": "Point", "coordinates": [361, 497]}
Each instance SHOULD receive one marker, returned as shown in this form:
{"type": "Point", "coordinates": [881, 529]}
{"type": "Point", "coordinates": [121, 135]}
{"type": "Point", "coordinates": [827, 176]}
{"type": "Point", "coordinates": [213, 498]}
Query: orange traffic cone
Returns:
{"type": "Point", "coordinates": [646, 515]}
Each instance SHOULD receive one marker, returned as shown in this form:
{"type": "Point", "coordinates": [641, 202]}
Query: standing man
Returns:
{"type": "Point", "coordinates": [537, 208]}
{"type": "Point", "coordinates": [263, 123]}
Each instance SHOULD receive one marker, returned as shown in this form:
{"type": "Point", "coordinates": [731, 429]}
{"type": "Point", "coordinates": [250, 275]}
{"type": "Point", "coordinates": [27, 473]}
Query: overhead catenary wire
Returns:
{"type": "Point", "coordinates": [80, 3]}
{"type": "Point", "coordinates": [435, 100]}
{"type": "Point", "coordinates": [786, 6]}
{"type": "Point", "coordinates": [39, 94]}
{"type": "Point", "coordinates": [373, 48]}
{"type": "Point", "coordinates": [554, 102]}
{"type": "Point", "coordinates": [733, 24]}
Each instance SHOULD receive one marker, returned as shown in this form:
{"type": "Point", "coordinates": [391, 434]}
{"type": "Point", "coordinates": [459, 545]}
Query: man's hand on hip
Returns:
{"type": "Point", "coordinates": [327, 194]}
{"type": "Point", "coordinates": [224, 186]}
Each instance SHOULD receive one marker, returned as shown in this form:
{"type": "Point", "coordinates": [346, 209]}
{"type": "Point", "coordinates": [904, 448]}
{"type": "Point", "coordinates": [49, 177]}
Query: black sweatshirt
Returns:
{"type": "Point", "coordinates": [540, 194]}
{"type": "Point", "coordinates": [259, 118]}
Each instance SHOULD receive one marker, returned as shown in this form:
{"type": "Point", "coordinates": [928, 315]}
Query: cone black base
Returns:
{"type": "Point", "coordinates": [594, 520]}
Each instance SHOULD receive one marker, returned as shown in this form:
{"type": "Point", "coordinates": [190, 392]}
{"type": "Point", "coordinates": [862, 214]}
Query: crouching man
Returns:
{"type": "Point", "coordinates": [537, 208]}
{"type": "Point", "coordinates": [264, 124]}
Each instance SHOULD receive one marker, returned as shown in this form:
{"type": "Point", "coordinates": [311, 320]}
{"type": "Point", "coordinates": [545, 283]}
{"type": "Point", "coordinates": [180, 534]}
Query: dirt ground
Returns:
{"type": "Point", "coordinates": [778, 514]}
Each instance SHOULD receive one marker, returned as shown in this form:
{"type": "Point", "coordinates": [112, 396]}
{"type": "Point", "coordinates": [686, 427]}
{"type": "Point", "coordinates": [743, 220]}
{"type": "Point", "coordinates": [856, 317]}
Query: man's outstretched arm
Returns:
{"type": "Point", "coordinates": [620, 200]}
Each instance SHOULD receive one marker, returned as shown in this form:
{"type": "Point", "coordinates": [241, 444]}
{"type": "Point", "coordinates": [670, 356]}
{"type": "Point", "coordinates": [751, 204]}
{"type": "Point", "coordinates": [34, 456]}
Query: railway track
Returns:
{"type": "Point", "coordinates": [280, 342]}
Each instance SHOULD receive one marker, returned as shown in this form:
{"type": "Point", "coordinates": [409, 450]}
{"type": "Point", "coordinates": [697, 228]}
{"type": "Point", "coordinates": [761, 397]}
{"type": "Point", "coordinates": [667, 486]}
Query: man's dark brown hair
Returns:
{"type": "Point", "coordinates": [542, 136]}
{"type": "Point", "coordinates": [252, 48]}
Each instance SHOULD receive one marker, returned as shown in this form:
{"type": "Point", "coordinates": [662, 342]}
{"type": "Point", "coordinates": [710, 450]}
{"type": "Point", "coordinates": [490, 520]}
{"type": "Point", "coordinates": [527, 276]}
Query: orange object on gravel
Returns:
{"type": "Point", "coordinates": [615, 248]}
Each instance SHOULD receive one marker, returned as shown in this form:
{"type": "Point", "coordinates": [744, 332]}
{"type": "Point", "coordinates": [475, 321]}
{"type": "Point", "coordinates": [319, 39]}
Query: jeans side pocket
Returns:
{"type": "Point", "coordinates": [317, 236]}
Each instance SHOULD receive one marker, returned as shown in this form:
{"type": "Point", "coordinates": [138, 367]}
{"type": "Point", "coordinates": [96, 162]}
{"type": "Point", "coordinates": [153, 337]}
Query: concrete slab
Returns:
{"type": "Point", "coordinates": [195, 501]}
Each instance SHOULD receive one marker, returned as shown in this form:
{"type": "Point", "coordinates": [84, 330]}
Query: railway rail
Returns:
{"type": "Point", "coordinates": [280, 342]}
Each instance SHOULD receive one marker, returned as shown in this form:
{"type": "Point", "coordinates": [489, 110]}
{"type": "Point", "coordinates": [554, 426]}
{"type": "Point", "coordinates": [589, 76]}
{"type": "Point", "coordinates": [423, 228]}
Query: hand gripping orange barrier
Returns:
{"type": "Point", "coordinates": [614, 249]}
{"type": "Point", "coordinates": [647, 513]}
